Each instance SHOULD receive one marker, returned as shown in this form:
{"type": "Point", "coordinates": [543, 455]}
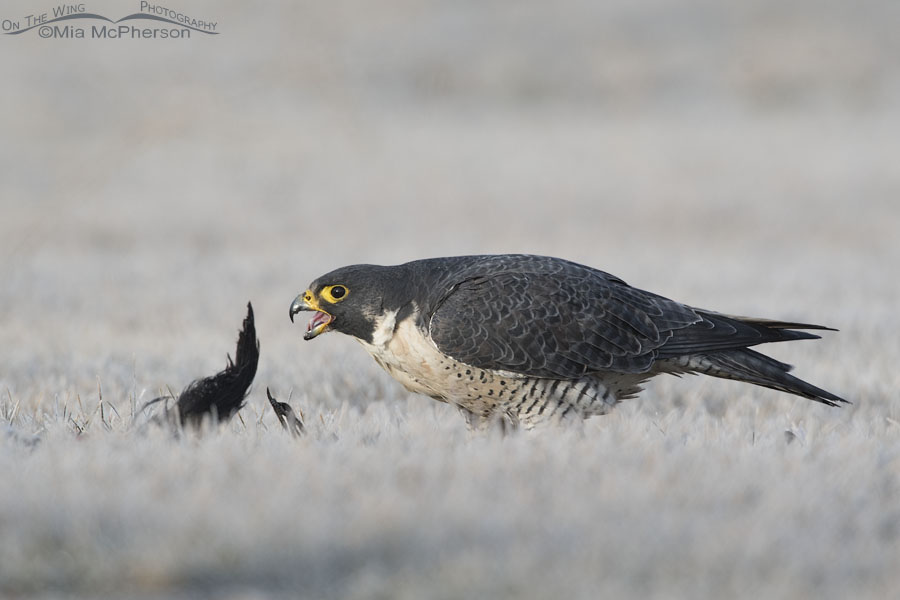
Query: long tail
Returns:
{"type": "Point", "coordinates": [752, 367]}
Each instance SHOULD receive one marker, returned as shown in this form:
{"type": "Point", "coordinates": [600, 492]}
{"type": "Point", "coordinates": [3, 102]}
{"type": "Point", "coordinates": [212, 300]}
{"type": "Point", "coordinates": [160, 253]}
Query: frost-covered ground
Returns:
{"type": "Point", "coordinates": [742, 159]}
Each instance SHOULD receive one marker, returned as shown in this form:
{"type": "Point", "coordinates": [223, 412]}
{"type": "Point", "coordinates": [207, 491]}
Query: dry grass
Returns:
{"type": "Point", "coordinates": [738, 160]}
{"type": "Point", "coordinates": [396, 499]}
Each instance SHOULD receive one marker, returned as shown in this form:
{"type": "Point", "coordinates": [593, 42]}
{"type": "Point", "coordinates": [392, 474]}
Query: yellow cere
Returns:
{"type": "Point", "coordinates": [310, 299]}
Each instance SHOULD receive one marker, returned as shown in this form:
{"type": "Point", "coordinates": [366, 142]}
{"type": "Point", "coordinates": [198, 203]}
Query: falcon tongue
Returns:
{"type": "Point", "coordinates": [317, 324]}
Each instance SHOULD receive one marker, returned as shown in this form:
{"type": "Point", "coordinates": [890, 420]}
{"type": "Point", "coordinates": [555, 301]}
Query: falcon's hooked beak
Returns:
{"type": "Point", "coordinates": [320, 321]}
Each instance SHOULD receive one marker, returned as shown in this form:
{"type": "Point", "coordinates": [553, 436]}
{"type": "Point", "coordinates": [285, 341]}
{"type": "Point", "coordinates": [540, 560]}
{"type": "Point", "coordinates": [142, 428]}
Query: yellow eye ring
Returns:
{"type": "Point", "coordinates": [334, 293]}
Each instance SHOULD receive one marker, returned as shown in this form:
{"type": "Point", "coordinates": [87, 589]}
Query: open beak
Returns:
{"type": "Point", "coordinates": [320, 321]}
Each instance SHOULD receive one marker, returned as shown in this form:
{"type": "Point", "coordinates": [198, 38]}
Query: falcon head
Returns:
{"type": "Point", "coordinates": [352, 300]}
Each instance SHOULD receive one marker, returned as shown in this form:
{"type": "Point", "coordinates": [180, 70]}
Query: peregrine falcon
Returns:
{"type": "Point", "coordinates": [530, 339]}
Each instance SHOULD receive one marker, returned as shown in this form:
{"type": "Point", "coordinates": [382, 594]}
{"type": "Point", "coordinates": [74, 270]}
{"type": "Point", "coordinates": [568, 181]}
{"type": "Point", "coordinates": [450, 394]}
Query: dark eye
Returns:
{"type": "Point", "coordinates": [338, 291]}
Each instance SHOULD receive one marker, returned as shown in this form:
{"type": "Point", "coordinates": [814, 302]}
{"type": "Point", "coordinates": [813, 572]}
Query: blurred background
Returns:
{"type": "Point", "coordinates": [738, 156]}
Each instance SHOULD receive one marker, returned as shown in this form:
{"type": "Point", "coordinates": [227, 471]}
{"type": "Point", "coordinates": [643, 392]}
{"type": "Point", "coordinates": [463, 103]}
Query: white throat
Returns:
{"type": "Point", "coordinates": [384, 329]}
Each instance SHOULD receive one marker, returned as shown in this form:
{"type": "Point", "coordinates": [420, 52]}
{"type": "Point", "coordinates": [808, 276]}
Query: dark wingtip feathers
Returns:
{"type": "Point", "coordinates": [719, 332]}
{"type": "Point", "coordinates": [773, 324]}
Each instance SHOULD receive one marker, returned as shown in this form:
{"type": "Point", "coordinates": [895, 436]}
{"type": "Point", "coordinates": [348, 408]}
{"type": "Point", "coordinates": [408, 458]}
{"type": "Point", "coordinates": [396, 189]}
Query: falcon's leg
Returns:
{"type": "Point", "coordinates": [496, 421]}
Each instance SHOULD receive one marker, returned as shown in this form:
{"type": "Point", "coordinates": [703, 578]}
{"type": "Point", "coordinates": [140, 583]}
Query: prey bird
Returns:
{"type": "Point", "coordinates": [525, 339]}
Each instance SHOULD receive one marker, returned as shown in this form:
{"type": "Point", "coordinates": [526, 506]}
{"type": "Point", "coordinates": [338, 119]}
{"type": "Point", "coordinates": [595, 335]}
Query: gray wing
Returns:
{"type": "Point", "coordinates": [579, 320]}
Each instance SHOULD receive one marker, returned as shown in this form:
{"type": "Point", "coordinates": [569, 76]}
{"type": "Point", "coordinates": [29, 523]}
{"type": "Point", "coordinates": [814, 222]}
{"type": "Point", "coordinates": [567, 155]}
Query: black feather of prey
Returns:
{"type": "Point", "coordinates": [221, 395]}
